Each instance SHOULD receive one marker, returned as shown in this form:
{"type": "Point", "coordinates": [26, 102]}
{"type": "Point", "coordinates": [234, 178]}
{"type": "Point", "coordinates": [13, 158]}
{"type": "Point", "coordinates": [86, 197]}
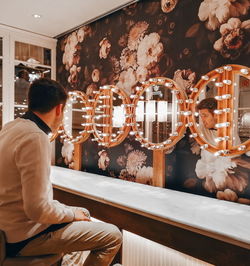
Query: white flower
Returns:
{"type": "Point", "coordinates": [67, 152]}
{"type": "Point", "coordinates": [214, 168]}
{"type": "Point", "coordinates": [104, 160]}
{"type": "Point", "coordinates": [128, 59]}
{"type": "Point", "coordinates": [74, 70]}
{"type": "Point", "coordinates": [144, 175]}
{"type": "Point", "coordinates": [69, 50]}
{"type": "Point", "coordinates": [216, 12]}
{"type": "Point", "coordinates": [135, 161]}
{"type": "Point", "coordinates": [141, 73]}
{"type": "Point", "coordinates": [80, 34]}
{"type": "Point", "coordinates": [136, 33]}
{"type": "Point", "coordinates": [149, 50]}
{"type": "Point", "coordinates": [127, 80]}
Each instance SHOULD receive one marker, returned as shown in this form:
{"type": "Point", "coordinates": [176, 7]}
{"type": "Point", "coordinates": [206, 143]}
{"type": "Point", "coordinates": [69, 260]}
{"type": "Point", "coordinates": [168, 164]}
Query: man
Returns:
{"type": "Point", "coordinates": [206, 111]}
{"type": "Point", "coordinates": [22, 86]}
{"type": "Point", "coordinates": [33, 222]}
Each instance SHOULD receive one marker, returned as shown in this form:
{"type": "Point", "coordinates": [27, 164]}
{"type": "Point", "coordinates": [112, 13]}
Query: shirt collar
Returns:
{"type": "Point", "coordinates": [38, 121]}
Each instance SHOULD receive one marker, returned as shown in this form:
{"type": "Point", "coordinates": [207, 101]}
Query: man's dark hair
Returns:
{"type": "Point", "coordinates": [208, 103]}
{"type": "Point", "coordinates": [22, 73]}
{"type": "Point", "coordinates": [44, 94]}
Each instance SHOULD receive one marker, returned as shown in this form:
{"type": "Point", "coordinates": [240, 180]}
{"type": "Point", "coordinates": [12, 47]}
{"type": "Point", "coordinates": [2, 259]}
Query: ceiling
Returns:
{"type": "Point", "coordinates": [57, 16]}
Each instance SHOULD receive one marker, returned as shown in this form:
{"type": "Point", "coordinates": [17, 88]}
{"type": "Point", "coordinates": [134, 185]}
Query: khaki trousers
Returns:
{"type": "Point", "coordinates": [102, 239]}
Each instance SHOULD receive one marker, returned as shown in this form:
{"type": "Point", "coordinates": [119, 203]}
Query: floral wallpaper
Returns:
{"type": "Point", "coordinates": [181, 40]}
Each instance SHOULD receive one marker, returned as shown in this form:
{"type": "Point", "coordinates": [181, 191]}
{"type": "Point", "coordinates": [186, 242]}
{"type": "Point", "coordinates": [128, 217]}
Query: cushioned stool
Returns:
{"type": "Point", "coordinates": [45, 260]}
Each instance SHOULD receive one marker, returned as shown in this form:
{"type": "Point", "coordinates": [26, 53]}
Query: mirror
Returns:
{"type": "Point", "coordinates": [160, 109]}
{"type": "Point", "coordinates": [111, 116]}
{"type": "Point", "coordinates": [77, 115]}
{"type": "Point", "coordinates": [221, 110]}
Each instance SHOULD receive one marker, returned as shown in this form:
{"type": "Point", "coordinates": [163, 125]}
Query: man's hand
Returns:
{"type": "Point", "coordinates": [79, 215]}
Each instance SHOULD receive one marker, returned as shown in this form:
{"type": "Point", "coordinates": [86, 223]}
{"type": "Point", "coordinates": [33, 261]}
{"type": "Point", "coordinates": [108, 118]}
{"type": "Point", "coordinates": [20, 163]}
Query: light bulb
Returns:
{"type": "Point", "coordinates": [205, 77]}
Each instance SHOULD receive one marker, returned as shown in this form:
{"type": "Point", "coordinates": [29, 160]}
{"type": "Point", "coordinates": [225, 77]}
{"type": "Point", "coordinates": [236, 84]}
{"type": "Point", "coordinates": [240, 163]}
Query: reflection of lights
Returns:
{"type": "Point", "coordinates": [205, 146]}
{"type": "Point", "coordinates": [190, 124]}
{"type": "Point", "coordinates": [205, 77]}
{"type": "Point", "coordinates": [221, 152]}
{"type": "Point", "coordinates": [174, 134]}
{"type": "Point", "coordinates": [187, 113]}
{"type": "Point", "coordinates": [219, 70]}
{"type": "Point", "coordinates": [178, 124]}
{"type": "Point", "coordinates": [168, 141]}
{"type": "Point", "coordinates": [218, 84]}
{"type": "Point", "coordinates": [228, 68]}
{"type": "Point", "coordinates": [242, 148]}
{"type": "Point", "coordinates": [162, 111]}
{"type": "Point", "coordinates": [194, 135]}
{"type": "Point", "coordinates": [227, 81]}
{"type": "Point", "coordinates": [225, 138]}
{"type": "Point", "coordinates": [150, 111]}
{"type": "Point", "coordinates": [194, 89]}
{"type": "Point", "coordinates": [223, 97]}
{"type": "Point", "coordinates": [244, 71]}
{"type": "Point", "coordinates": [220, 111]}
{"type": "Point", "coordinates": [220, 125]}
{"type": "Point", "coordinates": [118, 116]}
{"type": "Point", "coordinates": [140, 111]}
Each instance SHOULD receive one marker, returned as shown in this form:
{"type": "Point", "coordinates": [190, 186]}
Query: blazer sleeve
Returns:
{"type": "Point", "coordinates": [33, 157]}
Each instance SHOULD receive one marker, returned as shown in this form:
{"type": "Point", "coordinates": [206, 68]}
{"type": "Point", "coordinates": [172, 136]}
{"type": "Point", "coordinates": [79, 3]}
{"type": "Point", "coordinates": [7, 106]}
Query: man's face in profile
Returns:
{"type": "Point", "coordinates": [207, 118]}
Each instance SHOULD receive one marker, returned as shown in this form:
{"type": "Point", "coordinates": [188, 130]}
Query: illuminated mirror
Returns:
{"type": "Point", "coordinates": [77, 115]}
{"type": "Point", "coordinates": [221, 111]}
{"type": "Point", "coordinates": [160, 110]}
{"type": "Point", "coordinates": [111, 116]}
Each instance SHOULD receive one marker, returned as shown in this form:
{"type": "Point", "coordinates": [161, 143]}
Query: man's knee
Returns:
{"type": "Point", "coordinates": [115, 233]}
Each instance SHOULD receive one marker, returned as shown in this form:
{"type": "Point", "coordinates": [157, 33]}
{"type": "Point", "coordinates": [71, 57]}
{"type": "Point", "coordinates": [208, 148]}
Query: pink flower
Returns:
{"type": "Point", "coordinates": [95, 75]}
{"type": "Point", "coordinates": [216, 12]}
{"type": "Point", "coordinates": [234, 38]}
{"type": "Point", "coordinates": [92, 87]}
{"type": "Point", "coordinates": [104, 160]}
{"type": "Point", "coordinates": [74, 72]}
{"type": "Point", "coordinates": [185, 79]}
{"type": "Point", "coordinates": [168, 5]}
{"type": "Point", "coordinates": [105, 48]}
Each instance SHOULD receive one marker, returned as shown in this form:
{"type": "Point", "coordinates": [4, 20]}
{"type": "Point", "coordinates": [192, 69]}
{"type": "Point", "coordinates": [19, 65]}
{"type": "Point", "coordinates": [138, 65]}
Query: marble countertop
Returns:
{"type": "Point", "coordinates": [223, 220]}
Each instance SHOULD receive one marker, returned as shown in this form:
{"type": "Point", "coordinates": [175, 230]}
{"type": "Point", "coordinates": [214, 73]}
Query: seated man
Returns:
{"type": "Point", "coordinates": [22, 86]}
{"type": "Point", "coordinates": [33, 222]}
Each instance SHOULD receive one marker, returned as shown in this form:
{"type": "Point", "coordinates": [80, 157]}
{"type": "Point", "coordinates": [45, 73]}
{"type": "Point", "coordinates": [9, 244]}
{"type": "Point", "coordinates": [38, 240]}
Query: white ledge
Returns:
{"type": "Point", "coordinates": [223, 220]}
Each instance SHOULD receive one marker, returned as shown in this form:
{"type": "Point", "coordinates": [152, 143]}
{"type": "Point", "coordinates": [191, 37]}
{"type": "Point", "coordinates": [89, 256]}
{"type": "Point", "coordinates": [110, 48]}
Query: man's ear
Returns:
{"type": "Point", "coordinates": [59, 109]}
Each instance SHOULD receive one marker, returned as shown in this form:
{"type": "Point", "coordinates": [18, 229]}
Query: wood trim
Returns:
{"type": "Point", "coordinates": [77, 156]}
{"type": "Point", "coordinates": [183, 240]}
{"type": "Point", "coordinates": [159, 168]}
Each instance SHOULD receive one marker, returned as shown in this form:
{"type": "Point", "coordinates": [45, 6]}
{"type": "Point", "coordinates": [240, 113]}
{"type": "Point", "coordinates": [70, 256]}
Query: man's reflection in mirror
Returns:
{"type": "Point", "coordinates": [21, 86]}
{"type": "Point", "coordinates": [225, 176]}
{"type": "Point", "coordinates": [208, 119]}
